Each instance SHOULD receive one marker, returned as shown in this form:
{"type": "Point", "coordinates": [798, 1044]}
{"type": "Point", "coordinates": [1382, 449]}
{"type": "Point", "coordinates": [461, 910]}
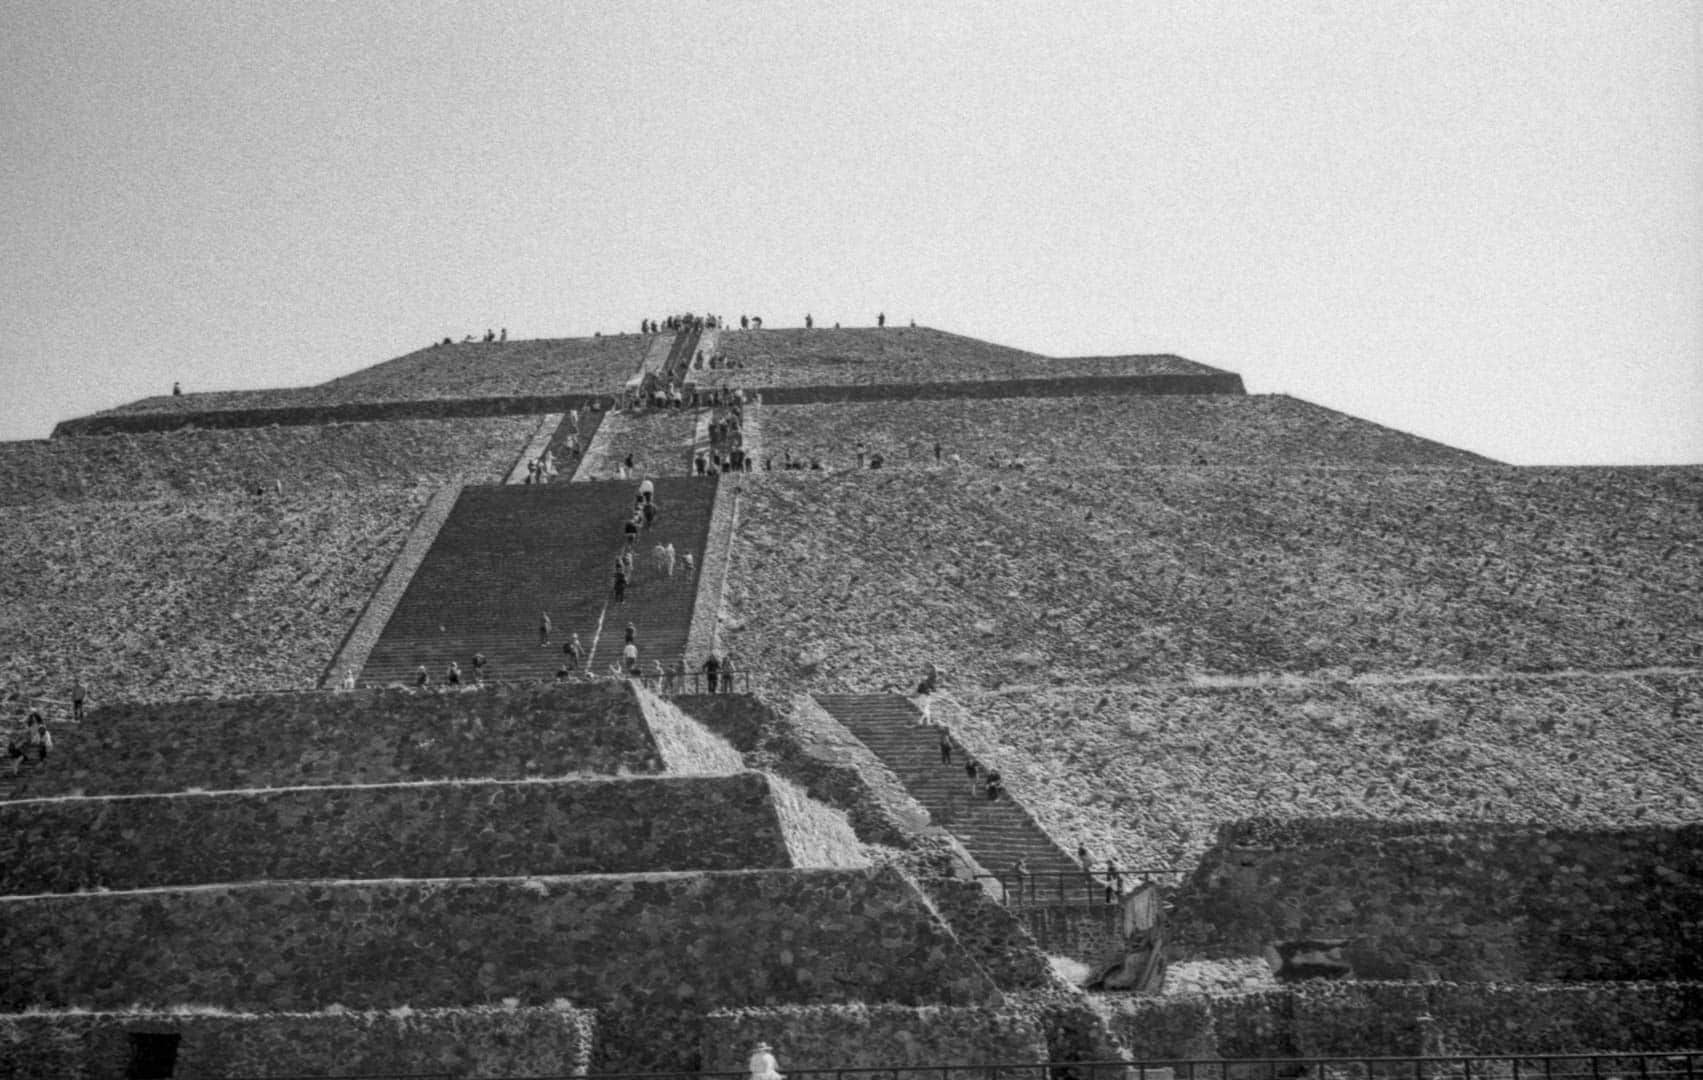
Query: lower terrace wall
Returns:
{"type": "Point", "coordinates": [554, 1040]}
{"type": "Point", "coordinates": [435, 830]}
{"type": "Point", "coordinates": [440, 409]}
{"type": "Point", "coordinates": [498, 732]}
{"type": "Point", "coordinates": [994, 936]}
{"type": "Point", "coordinates": [1330, 1019]}
{"type": "Point", "coordinates": [1453, 901]}
{"type": "Point", "coordinates": [877, 1036]}
{"type": "Point", "coordinates": [329, 413]}
{"type": "Point", "coordinates": [274, 459]}
{"type": "Point", "coordinates": [653, 953]}
{"type": "Point", "coordinates": [1062, 386]}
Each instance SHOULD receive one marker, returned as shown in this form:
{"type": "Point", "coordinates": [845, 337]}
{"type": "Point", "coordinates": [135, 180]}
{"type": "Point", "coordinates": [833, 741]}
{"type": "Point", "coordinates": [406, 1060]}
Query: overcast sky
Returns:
{"type": "Point", "coordinates": [1479, 222]}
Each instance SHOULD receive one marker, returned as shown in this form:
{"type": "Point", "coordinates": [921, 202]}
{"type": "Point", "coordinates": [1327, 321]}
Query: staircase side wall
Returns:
{"type": "Point", "coordinates": [357, 646]}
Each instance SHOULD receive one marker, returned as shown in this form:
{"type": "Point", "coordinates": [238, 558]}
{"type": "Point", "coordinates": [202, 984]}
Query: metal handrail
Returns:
{"type": "Point", "coordinates": [737, 681]}
{"type": "Point", "coordinates": [1067, 887]}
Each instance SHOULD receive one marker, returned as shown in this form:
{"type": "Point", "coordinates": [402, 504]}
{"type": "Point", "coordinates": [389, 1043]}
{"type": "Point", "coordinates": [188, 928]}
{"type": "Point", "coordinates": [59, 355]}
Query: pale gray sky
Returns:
{"type": "Point", "coordinates": [1478, 222]}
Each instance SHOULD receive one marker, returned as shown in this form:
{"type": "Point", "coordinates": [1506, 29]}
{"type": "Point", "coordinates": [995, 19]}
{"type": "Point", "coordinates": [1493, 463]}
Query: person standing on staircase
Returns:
{"type": "Point", "coordinates": [1020, 874]}
{"type": "Point", "coordinates": [620, 582]}
{"type": "Point", "coordinates": [573, 651]}
{"type": "Point", "coordinates": [543, 629]}
{"type": "Point", "coordinates": [970, 770]}
{"type": "Point", "coordinates": [945, 745]}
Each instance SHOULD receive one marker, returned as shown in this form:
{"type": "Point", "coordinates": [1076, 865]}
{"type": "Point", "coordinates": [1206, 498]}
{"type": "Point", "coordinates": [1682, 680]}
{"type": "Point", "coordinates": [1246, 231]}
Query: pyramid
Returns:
{"type": "Point", "coordinates": [1364, 707]}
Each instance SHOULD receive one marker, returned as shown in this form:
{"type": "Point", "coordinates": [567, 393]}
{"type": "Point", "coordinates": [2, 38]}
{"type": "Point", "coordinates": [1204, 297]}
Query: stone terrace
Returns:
{"type": "Point", "coordinates": [397, 454]}
{"type": "Point", "coordinates": [501, 732]}
{"type": "Point", "coordinates": [1151, 771]}
{"type": "Point", "coordinates": [1088, 576]}
{"type": "Point", "coordinates": [1217, 429]}
{"type": "Point", "coordinates": [545, 366]}
{"type": "Point", "coordinates": [217, 595]}
{"type": "Point", "coordinates": [783, 358]}
{"type": "Point", "coordinates": [431, 830]}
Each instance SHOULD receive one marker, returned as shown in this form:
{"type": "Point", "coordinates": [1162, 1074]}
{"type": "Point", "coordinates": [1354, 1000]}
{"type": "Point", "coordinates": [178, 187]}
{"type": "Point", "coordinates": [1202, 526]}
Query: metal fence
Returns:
{"type": "Point", "coordinates": [1649, 1065]}
{"type": "Point", "coordinates": [697, 682]}
{"type": "Point", "coordinates": [1068, 888]}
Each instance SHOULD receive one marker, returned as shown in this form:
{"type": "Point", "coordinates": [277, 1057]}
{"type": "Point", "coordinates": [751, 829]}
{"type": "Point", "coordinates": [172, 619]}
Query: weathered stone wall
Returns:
{"type": "Point", "coordinates": [338, 457]}
{"type": "Point", "coordinates": [1089, 934]}
{"type": "Point", "coordinates": [652, 952]}
{"type": "Point", "coordinates": [1108, 432]}
{"type": "Point", "coordinates": [994, 936]}
{"type": "Point", "coordinates": [872, 1036]}
{"type": "Point", "coordinates": [500, 732]}
{"type": "Point", "coordinates": [221, 593]}
{"type": "Point", "coordinates": [1061, 386]}
{"type": "Point", "coordinates": [554, 1040]}
{"type": "Point", "coordinates": [1455, 902]}
{"type": "Point", "coordinates": [433, 830]}
{"type": "Point", "coordinates": [1389, 1019]}
{"type": "Point", "coordinates": [244, 414]}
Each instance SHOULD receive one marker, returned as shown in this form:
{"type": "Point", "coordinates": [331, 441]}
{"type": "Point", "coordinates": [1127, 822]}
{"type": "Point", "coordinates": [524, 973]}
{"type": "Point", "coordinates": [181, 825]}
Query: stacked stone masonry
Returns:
{"type": "Point", "coordinates": [553, 1040]}
{"type": "Point", "coordinates": [1487, 904]}
{"type": "Point", "coordinates": [432, 830]}
{"type": "Point", "coordinates": [507, 732]}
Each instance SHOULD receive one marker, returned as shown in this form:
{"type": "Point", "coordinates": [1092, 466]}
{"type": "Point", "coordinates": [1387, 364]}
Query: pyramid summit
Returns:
{"type": "Point", "coordinates": [898, 699]}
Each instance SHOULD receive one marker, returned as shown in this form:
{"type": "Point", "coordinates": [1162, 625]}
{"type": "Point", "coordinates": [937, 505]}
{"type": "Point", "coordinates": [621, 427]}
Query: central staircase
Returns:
{"type": "Point", "coordinates": [507, 553]}
{"type": "Point", "coordinates": [995, 833]}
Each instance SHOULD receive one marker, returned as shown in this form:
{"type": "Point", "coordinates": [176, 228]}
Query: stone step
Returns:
{"type": "Point", "coordinates": [997, 833]}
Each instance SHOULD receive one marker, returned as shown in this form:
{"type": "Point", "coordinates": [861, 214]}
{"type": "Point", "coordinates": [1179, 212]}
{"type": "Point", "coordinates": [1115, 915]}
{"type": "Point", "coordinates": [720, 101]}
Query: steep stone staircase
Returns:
{"type": "Point", "coordinates": [996, 833]}
{"type": "Point", "coordinates": [589, 421]}
{"type": "Point", "coordinates": [507, 553]}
